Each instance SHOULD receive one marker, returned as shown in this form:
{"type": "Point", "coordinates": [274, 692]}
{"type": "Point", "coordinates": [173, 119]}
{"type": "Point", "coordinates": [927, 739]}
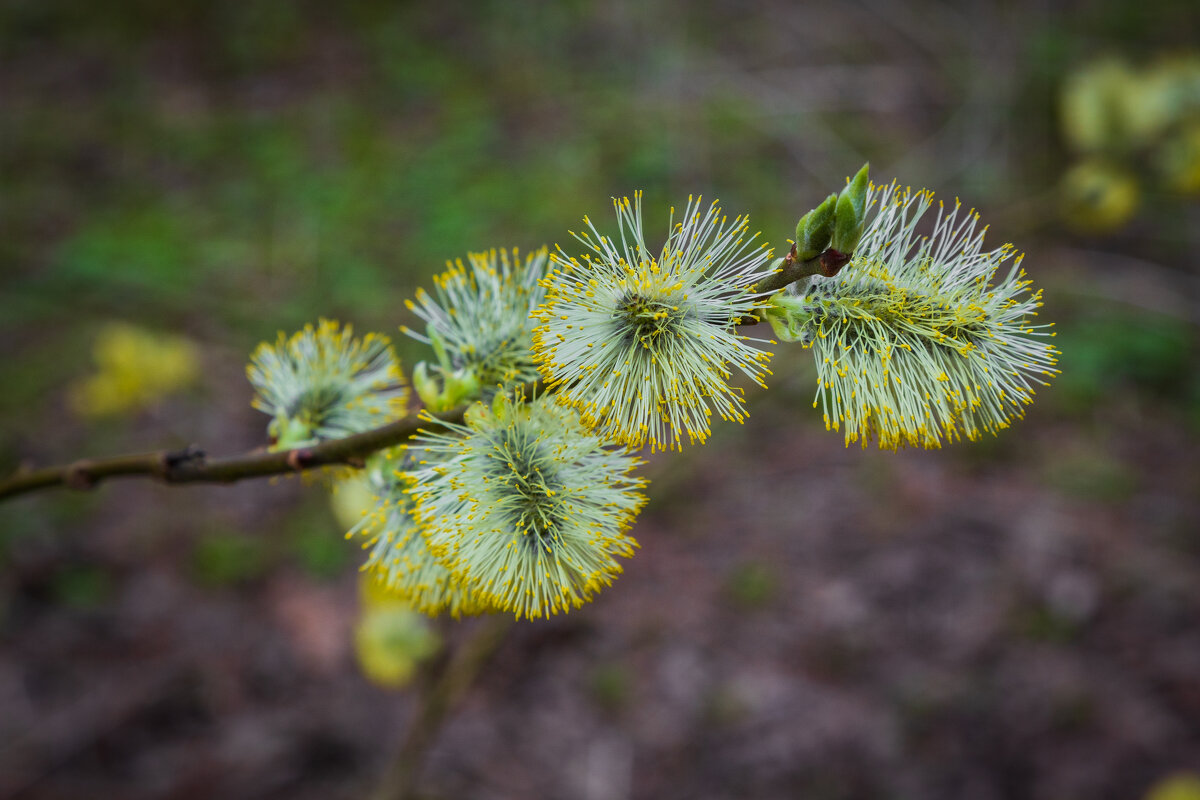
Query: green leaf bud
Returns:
{"type": "Point", "coordinates": [856, 190]}
{"type": "Point", "coordinates": [460, 385]}
{"type": "Point", "coordinates": [439, 348]}
{"type": "Point", "coordinates": [427, 386]}
{"type": "Point", "coordinates": [847, 227]}
{"type": "Point", "coordinates": [502, 406]}
{"type": "Point", "coordinates": [788, 317]}
{"type": "Point", "coordinates": [289, 433]}
{"type": "Point", "coordinates": [815, 229]}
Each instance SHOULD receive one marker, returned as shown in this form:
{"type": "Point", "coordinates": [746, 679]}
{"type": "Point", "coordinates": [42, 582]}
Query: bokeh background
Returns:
{"type": "Point", "coordinates": [1018, 618]}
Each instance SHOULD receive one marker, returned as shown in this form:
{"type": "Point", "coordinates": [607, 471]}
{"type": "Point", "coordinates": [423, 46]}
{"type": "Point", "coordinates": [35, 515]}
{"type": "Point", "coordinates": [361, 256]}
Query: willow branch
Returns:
{"type": "Point", "coordinates": [828, 263]}
{"type": "Point", "coordinates": [192, 465]}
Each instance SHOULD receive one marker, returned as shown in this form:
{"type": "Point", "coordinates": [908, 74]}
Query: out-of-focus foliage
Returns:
{"type": "Point", "coordinates": [1129, 125]}
{"type": "Point", "coordinates": [1104, 352]}
{"type": "Point", "coordinates": [1099, 195]}
{"type": "Point", "coordinates": [1111, 106]}
{"type": "Point", "coordinates": [226, 559]}
{"type": "Point", "coordinates": [313, 548]}
{"type": "Point", "coordinates": [752, 585]}
{"type": "Point", "coordinates": [1180, 786]}
{"type": "Point", "coordinates": [82, 586]}
{"type": "Point", "coordinates": [134, 369]}
{"type": "Point", "coordinates": [1178, 160]}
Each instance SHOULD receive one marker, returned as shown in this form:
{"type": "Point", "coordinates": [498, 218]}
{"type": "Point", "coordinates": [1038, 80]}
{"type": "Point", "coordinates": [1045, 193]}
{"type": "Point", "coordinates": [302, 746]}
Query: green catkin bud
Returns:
{"type": "Point", "coordinates": [856, 190]}
{"type": "Point", "coordinates": [398, 557]}
{"type": "Point", "coordinates": [461, 385]}
{"type": "Point", "coordinates": [920, 339]}
{"type": "Point", "coordinates": [524, 506]}
{"type": "Point", "coordinates": [322, 383]}
{"type": "Point", "coordinates": [847, 228]}
{"type": "Point", "coordinates": [428, 390]}
{"type": "Point", "coordinates": [642, 342]}
{"type": "Point", "coordinates": [390, 638]}
{"type": "Point", "coordinates": [815, 230]}
{"type": "Point", "coordinates": [850, 214]}
{"type": "Point", "coordinates": [439, 348]}
{"type": "Point", "coordinates": [457, 386]}
{"type": "Point", "coordinates": [786, 315]}
{"type": "Point", "coordinates": [478, 317]}
{"type": "Point", "coordinates": [287, 433]}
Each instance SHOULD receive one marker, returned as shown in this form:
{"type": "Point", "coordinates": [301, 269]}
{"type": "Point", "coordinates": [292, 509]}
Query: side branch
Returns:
{"type": "Point", "coordinates": [191, 464]}
{"type": "Point", "coordinates": [437, 700]}
{"type": "Point", "coordinates": [792, 269]}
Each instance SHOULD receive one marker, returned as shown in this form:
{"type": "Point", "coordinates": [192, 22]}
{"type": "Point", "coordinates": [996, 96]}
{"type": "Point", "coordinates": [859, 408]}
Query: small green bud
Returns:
{"type": "Point", "coordinates": [502, 406]}
{"type": "Point", "coordinates": [477, 415]}
{"type": "Point", "coordinates": [787, 316]}
{"type": "Point", "coordinates": [289, 433]}
{"type": "Point", "coordinates": [427, 386]}
{"type": "Point", "coordinates": [856, 190]}
{"type": "Point", "coordinates": [439, 348]}
{"type": "Point", "coordinates": [460, 385]}
{"type": "Point", "coordinates": [847, 228]}
{"type": "Point", "coordinates": [815, 229]}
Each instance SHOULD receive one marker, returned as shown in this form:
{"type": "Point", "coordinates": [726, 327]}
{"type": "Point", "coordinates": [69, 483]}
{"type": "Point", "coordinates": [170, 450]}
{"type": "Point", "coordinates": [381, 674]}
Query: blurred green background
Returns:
{"type": "Point", "coordinates": [213, 172]}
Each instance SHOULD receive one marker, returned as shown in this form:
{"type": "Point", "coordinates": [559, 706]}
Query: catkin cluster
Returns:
{"type": "Point", "coordinates": [526, 505]}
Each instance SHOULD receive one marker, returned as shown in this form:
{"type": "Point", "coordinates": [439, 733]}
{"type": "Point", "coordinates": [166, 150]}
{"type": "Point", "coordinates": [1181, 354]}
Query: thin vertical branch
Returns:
{"type": "Point", "coordinates": [436, 701]}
